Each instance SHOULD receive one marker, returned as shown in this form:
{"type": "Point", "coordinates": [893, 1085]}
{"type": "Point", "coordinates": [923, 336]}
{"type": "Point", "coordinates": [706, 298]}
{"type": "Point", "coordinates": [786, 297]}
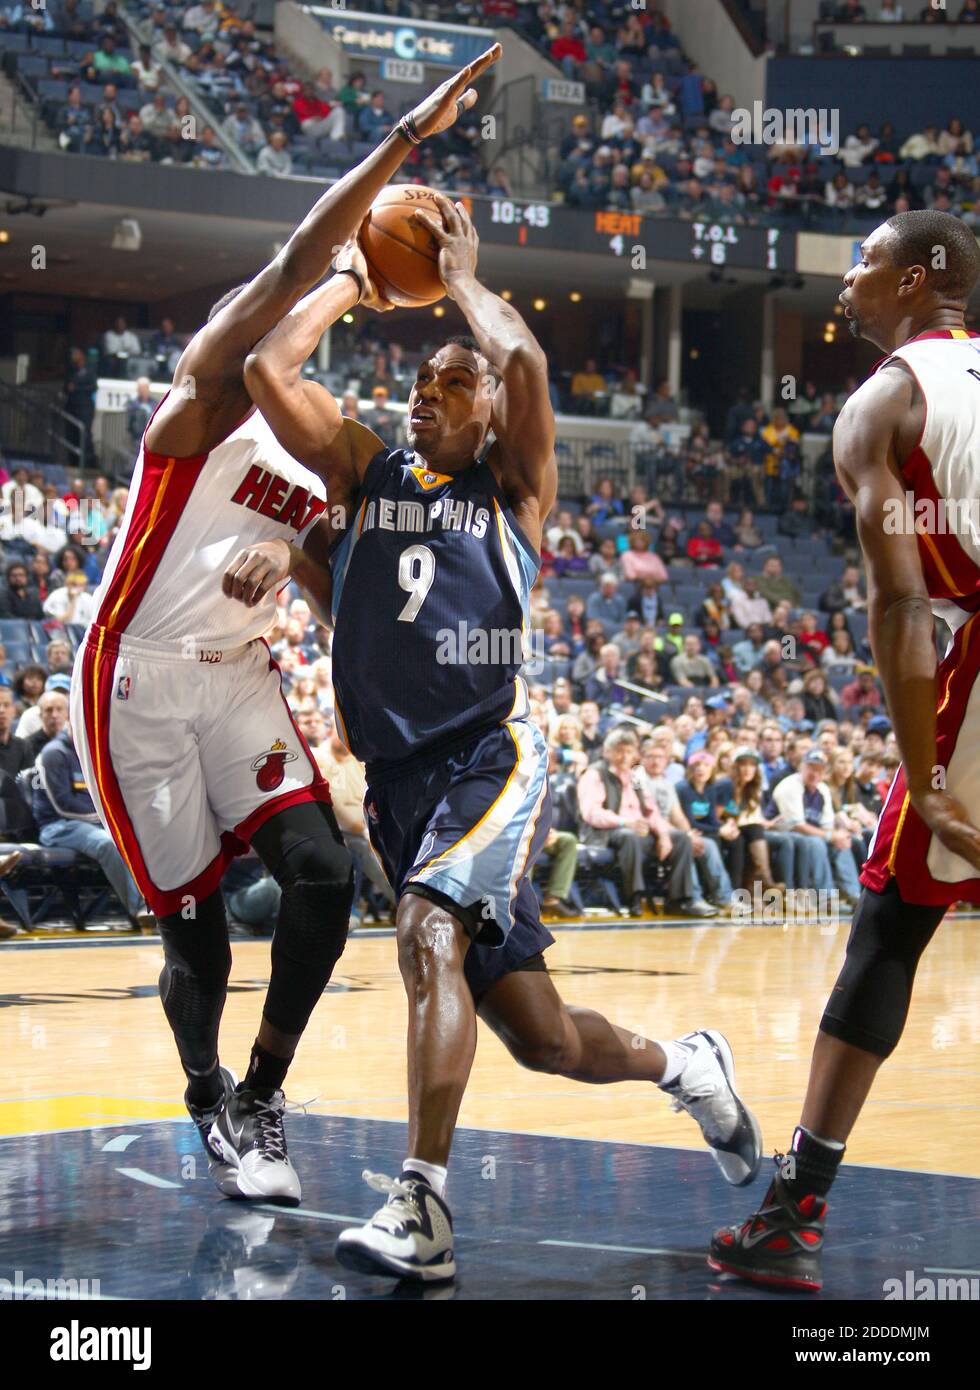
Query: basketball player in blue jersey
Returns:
{"type": "Point", "coordinates": [434, 552]}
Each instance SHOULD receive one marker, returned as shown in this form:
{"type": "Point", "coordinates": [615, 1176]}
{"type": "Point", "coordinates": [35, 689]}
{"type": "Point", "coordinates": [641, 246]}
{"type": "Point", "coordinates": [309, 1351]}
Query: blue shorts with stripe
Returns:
{"type": "Point", "coordinates": [467, 831]}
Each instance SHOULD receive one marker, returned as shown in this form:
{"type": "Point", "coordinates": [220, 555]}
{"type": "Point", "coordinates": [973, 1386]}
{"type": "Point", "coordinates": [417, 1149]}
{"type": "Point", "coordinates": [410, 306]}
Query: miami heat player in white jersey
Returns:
{"type": "Point", "coordinates": [943, 503]}
{"type": "Point", "coordinates": [177, 711]}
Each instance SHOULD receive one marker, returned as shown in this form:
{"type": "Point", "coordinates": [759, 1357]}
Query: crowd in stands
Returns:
{"type": "Point", "coordinates": [703, 678]}
{"type": "Point", "coordinates": [754, 462]}
{"type": "Point", "coordinates": [893, 12]}
{"type": "Point", "coordinates": [657, 139]}
{"type": "Point", "coordinates": [662, 141]}
{"type": "Point", "coordinates": [103, 89]}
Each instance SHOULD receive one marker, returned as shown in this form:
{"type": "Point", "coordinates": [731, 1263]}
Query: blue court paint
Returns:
{"type": "Point", "coordinates": [536, 1218]}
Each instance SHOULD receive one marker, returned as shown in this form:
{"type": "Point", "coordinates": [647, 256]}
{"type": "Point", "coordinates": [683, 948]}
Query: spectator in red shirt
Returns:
{"type": "Point", "coordinates": [811, 635]}
{"type": "Point", "coordinates": [500, 10]}
{"type": "Point", "coordinates": [568, 49]}
{"type": "Point", "coordinates": [861, 691]}
{"type": "Point", "coordinates": [702, 548]}
{"type": "Point", "coordinates": [318, 118]}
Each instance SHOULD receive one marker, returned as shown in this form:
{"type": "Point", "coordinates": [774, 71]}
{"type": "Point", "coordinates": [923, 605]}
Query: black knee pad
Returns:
{"type": "Point", "coordinates": [870, 1001]}
{"type": "Point", "coordinates": [306, 854]}
{"type": "Point", "coordinates": [194, 979]}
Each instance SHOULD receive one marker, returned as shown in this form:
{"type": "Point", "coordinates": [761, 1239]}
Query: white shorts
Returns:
{"type": "Point", "coordinates": [185, 758]}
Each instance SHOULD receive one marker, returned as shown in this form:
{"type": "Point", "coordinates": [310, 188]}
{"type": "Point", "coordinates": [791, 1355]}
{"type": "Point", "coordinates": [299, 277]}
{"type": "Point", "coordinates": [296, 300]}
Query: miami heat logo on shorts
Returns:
{"type": "Point", "coordinates": [270, 768]}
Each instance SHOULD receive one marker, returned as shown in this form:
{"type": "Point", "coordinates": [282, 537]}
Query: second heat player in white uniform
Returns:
{"type": "Point", "coordinates": [177, 709]}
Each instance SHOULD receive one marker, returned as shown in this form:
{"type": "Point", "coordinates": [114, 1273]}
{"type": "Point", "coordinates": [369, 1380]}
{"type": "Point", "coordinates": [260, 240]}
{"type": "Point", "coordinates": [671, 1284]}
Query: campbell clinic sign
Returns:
{"type": "Point", "coordinates": [368, 36]}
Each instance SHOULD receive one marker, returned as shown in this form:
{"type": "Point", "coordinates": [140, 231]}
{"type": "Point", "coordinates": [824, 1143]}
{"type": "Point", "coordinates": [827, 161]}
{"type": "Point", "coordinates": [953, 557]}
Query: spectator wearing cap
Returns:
{"type": "Point", "coordinates": [862, 690]}
{"type": "Point", "coordinates": [674, 636]}
{"type": "Point", "coordinates": [380, 418]}
{"type": "Point", "coordinates": [876, 732]}
{"type": "Point", "coordinates": [806, 808]}
{"type": "Point", "coordinates": [67, 818]}
{"type": "Point", "coordinates": [616, 815]}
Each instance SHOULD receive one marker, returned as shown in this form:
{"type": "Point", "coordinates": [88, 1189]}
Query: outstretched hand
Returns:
{"type": "Point", "coordinates": [459, 242]}
{"type": "Point", "coordinates": [441, 108]}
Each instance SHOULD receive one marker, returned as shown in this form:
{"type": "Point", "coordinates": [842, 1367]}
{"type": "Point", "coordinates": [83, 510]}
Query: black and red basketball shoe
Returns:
{"type": "Point", "coordinates": [780, 1245]}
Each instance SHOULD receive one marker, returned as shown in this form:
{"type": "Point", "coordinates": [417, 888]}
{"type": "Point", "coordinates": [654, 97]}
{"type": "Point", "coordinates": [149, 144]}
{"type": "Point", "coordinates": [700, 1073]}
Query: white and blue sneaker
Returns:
{"type": "Point", "coordinates": [249, 1137]}
{"type": "Point", "coordinates": [204, 1117]}
{"type": "Point", "coordinates": [706, 1090]}
{"type": "Point", "coordinates": [411, 1236]}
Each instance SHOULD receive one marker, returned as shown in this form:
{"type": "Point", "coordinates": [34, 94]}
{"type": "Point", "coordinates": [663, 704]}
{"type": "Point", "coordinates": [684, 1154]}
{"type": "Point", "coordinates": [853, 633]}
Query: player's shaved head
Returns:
{"type": "Point", "coordinates": [943, 244]}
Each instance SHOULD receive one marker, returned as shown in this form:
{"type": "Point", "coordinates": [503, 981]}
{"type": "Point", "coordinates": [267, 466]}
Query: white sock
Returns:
{"type": "Point", "coordinates": [434, 1173]}
{"type": "Point", "coordinates": [677, 1056]}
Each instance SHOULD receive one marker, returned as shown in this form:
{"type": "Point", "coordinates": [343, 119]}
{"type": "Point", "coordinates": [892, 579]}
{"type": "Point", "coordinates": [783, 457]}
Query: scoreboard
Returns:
{"type": "Point", "coordinates": [553, 227]}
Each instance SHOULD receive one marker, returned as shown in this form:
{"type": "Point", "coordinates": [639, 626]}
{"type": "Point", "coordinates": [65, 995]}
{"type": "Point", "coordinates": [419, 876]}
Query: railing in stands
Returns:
{"type": "Point", "coordinates": [528, 137]}
{"type": "Point", "coordinates": [34, 426]}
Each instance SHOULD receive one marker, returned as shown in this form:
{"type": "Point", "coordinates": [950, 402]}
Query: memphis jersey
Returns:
{"type": "Point", "coordinates": [943, 472]}
{"type": "Point", "coordinates": [185, 521]}
{"type": "Point", "coordinates": [431, 607]}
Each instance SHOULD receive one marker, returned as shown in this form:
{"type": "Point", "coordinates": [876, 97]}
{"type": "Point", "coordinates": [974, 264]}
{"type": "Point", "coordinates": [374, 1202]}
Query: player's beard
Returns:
{"type": "Point", "coordinates": [854, 326]}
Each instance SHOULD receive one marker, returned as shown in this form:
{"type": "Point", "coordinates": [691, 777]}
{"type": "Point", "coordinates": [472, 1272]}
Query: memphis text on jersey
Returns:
{"type": "Point", "coordinates": [388, 515]}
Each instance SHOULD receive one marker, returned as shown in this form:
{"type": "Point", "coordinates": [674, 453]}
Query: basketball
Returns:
{"type": "Point", "coordinates": [401, 252]}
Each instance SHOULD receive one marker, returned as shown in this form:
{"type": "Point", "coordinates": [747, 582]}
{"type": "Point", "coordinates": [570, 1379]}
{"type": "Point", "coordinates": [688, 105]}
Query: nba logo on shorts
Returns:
{"type": "Point", "coordinates": [122, 689]}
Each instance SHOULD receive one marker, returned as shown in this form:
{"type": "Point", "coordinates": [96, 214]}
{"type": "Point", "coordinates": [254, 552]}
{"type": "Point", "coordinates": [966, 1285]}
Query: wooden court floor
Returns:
{"type": "Point", "coordinates": [89, 1043]}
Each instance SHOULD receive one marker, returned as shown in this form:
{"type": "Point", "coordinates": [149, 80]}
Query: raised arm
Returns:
{"type": "Point", "coordinates": [523, 420]}
{"type": "Point", "coordinates": [901, 628]}
{"type": "Point", "coordinates": [303, 415]}
{"type": "Point", "coordinates": [208, 398]}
